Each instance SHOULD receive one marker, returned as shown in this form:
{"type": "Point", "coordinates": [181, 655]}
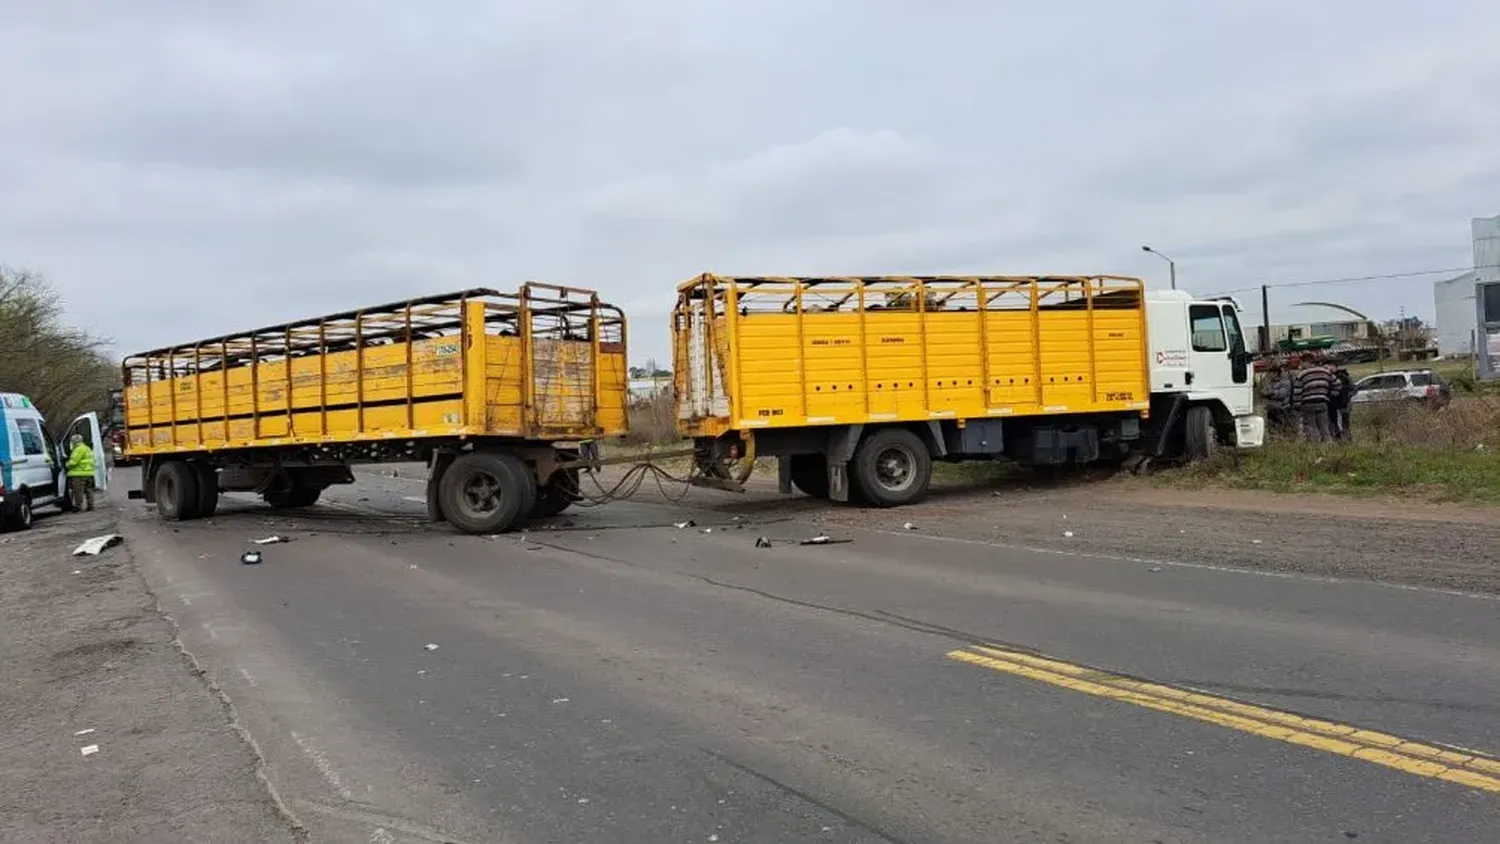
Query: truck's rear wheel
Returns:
{"type": "Point", "coordinates": [208, 489]}
{"type": "Point", "coordinates": [891, 467]}
{"type": "Point", "coordinates": [487, 491]}
{"type": "Point", "coordinates": [558, 495]}
{"type": "Point", "coordinates": [1199, 440]}
{"type": "Point", "coordinates": [810, 474]}
{"type": "Point", "coordinates": [177, 497]}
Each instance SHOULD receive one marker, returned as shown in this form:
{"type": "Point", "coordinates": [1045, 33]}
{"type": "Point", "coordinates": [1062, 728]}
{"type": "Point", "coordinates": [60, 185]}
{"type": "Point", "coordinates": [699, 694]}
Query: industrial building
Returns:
{"type": "Point", "coordinates": [1468, 305]}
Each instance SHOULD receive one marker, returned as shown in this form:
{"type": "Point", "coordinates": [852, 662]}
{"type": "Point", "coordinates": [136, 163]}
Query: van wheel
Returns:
{"type": "Point", "coordinates": [177, 491]}
{"type": "Point", "coordinates": [891, 467]}
{"type": "Point", "coordinates": [1200, 441]}
{"type": "Point", "coordinates": [810, 474]}
{"type": "Point", "coordinates": [21, 519]}
{"type": "Point", "coordinates": [487, 491]}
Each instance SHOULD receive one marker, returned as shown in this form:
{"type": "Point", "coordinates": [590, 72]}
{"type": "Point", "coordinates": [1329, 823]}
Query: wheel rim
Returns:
{"type": "Point", "coordinates": [895, 468]}
{"type": "Point", "coordinates": [25, 512]}
{"type": "Point", "coordinates": [480, 494]}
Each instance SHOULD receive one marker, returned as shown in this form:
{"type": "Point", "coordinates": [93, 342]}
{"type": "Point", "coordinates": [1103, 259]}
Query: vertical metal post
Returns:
{"type": "Point", "coordinates": [1265, 318]}
{"type": "Point", "coordinates": [359, 372]}
{"type": "Point", "coordinates": [254, 387]}
{"type": "Point", "coordinates": [173, 386]}
{"type": "Point", "coordinates": [198, 390]}
{"type": "Point", "coordinates": [528, 363]}
{"type": "Point", "coordinates": [286, 353]}
{"type": "Point", "coordinates": [411, 381]}
{"type": "Point", "coordinates": [224, 386]}
{"type": "Point", "coordinates": [323, 378]}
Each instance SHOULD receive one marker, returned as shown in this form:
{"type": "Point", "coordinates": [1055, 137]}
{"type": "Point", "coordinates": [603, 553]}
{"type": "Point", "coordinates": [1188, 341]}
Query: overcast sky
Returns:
{"type": "Point", "coordinates": [181, 169]}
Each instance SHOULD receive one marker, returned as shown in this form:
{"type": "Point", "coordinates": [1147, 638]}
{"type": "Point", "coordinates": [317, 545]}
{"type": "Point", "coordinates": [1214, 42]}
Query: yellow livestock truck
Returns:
{"type": "Point", "coordinates": [858, 384]}
{"type": "Point", "coordinates": [492, 390]}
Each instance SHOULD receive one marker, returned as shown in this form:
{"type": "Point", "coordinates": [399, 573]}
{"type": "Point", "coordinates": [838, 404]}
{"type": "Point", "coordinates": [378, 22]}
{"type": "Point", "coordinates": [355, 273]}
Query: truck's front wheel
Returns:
{"type": "Point", "coordinates": [487, 491]}
{"type": "Point", "coordinates": [1200, 441]}
{"type": "Point", "coordinates": [891, 467]}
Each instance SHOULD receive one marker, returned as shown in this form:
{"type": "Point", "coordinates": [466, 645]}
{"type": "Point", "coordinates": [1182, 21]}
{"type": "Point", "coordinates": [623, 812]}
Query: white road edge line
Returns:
{"type": "Point", "coordinates": [324, 766]}
{"type": "Point", "coordinates": [1095, 555]}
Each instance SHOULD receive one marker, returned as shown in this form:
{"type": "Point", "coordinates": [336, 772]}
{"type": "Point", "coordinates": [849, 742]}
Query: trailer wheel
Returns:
{"type": "Point", "coordinates": [558, 495]}
{"type": "Point", "coordinates": [1200, 442]}
{"type": "Point", "coordinates": [177, 491]}
{"type": "Point", "coordinates": [487, 491]}
{"type": "Point", "coordinates": [891, 467]}
{"type": "Point", "coordinates": [810, 474]}
{"type": "Point", "coordinates": [208, 489]}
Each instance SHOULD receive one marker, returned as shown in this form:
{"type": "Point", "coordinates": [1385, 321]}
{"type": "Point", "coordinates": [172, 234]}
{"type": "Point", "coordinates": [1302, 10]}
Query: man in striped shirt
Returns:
{"type": "Point", "coordinates": [1313, 389]}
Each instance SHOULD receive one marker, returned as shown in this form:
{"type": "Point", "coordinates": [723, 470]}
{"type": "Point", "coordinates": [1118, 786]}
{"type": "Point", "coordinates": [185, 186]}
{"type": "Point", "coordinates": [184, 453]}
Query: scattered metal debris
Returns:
{"type": "Point", "coordinates": [89, 749]}
{"type": "Point", "coordinates": [684, 525]}
{"type": "Point", "coordinates": [92, 547]}
{"type": "Point", "coordinates": [429, 647]}
{"type": "Point", "coordinates": [762, 542]}
{"type": "Point", "coordinates": [251, 558]}
{"type": "Point", "coordinates": [910, 526]}
{"type": "Point", "coordinates": [1068, 534]}
{"type": "Point", "coordinates": [822, 539]}
{"type": "Point", "coordinates": [84, 732]}
{"type": "Point", "coordinates": [271, 540]}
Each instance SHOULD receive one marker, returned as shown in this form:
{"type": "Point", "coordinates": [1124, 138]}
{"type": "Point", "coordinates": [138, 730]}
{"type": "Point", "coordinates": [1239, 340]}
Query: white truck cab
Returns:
{"type": "Point", "coordinates": [1199, 358]}
{"type": "Point", "coordinates": [33, 468]}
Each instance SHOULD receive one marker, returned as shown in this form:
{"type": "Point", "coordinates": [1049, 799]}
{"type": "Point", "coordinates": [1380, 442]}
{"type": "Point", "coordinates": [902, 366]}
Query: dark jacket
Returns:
{"type": "Point", "coordinates": [1346, 388]}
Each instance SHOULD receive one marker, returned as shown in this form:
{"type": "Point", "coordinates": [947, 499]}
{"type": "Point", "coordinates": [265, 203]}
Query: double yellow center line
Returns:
{"type": "Point", "coordinates": [1470, 768]}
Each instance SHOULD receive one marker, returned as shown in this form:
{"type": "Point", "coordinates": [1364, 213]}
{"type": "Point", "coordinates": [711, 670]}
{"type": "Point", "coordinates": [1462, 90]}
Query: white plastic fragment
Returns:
{"type": "Point", "coordinates": [89, 749]}
{"type": "Point", "coordinates": [271, 540]}
{"type": "Point", "coordinates": [92, 547]}
{"type": "Point", "coordinates": [560, 700]}
{"type": "Point", "coordinates": [1256, 542]}
{"type": "Point", "coordinates": [429, 647]}
{"type": "Point", "coordinates": [84, 732]}
{"type": "Point", "coordinates": [250, 558]}
{"type": "Point", "coordinates": [684, 525]}
{"type": "Point", "coordinates": [908, 526]}
{"type": "Point", "coordinates": [1068, 534]}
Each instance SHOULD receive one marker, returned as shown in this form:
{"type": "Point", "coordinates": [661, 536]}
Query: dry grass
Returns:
{"type": "Point", "coordinates": [652, 423]}
{"type": "Point", "coordinates": [1447, 454]}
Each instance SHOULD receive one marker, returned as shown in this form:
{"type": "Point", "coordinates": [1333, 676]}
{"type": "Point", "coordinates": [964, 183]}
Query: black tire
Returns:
{"type": "Point", "coordinates": [558, 495]}
{"type": "Point", "coordinates": [293, 498]}
{"type": "Point", "coordinates": [487, 492]}
{"type": "Point", "coordinates": [891, 467]}
{"type": "Point", "coordinates": [177, 491]}
{"type": "Point", "coordinates": [810, 474]}
{"type": "Point", "coordinates": [1199, 439]}
{"type": "Point", "coordinates": [208, 489]}
{"type": "Point", "coordinates": [22, 517]}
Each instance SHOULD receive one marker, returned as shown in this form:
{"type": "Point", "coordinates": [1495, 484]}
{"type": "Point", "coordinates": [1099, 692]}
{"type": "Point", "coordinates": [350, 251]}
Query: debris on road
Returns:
{"type": "Point", "coordinates": [1068, 534]}
{"type": "Point", "coordinates": [822, 539]}
{"type": "Point", "coordinates": [1154, 569]}
{"type": "Point", "coordinates": [707, 530]}
{"type": "Point", "coordinates": [92, 547]}
{"type": "Point", "coordinates": [89, 749]}
{"type": "Point", "coordinates": [910, 526]}
{"type": "Point", "coordinates": [251, 558]}
{"type": "Point", "coordinates": [429, 647]}
{"type": "Point", "coordinates": [561, 700]}
{"type": "Point", "coordinates": [684, 525]}
{"type": "Point", "coordinates": [762, 542]}
{"type": "Point", "coordinates": [84, 732]}
{"type": "Point", "coordinates": [272, 540]}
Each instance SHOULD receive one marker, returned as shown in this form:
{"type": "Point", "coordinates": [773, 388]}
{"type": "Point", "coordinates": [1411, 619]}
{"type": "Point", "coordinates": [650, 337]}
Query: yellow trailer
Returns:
{"type": "Point", "coordinates": [858, 383]}
{"type": "Point", "coordinates": [493, 390]}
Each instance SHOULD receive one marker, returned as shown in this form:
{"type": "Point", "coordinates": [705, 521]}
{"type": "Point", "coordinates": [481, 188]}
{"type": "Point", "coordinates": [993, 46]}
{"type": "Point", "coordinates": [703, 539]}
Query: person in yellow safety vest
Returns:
{"type": "Point", "coordinates": [80, 469]}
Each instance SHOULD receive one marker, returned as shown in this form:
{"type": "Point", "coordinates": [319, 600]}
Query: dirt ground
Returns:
{"type": "Point", "coordinates": [1390, 540]}
{"type": "Point", "coordinates": [92, 665]}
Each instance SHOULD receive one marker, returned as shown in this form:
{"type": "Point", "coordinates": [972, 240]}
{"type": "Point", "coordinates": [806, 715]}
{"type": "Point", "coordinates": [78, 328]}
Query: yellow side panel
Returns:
{"type": "Point", "coordinates": [614, 393]}
{"type": "Point", "coordinates": [503, 386]}
{"type": "Point", "coordinates": [1012, 360]}
{"type": "Point", "coordinates": [433, 418]}
{"type": "Point", "coordinates": [770, 367]}
{"type": "Point", "coordinates": [562, 393]}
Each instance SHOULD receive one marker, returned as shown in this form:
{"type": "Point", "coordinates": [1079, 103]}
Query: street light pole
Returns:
{"type": "Point", "coordinates": [1171, 264]}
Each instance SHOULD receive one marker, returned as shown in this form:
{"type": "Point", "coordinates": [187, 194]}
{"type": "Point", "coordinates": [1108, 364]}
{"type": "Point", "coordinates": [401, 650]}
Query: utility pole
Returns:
{"type": "Point", "coordinates": [1171, 264]}
{"type": "Point", "coordinates": [1265, 319]}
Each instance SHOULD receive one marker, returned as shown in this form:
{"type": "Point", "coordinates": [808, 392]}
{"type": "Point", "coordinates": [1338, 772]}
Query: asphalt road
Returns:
{"type": "Point", "coordinates": [618, 679]}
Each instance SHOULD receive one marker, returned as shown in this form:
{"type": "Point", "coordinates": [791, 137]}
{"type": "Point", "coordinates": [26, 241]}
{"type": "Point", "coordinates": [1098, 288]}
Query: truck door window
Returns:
{"type": "Point", "coordinates": [1232, 323]}
{"type": "Point", "coordinates": [1208, 328]}
{"type": "Point", "coordinates": [33, 441]}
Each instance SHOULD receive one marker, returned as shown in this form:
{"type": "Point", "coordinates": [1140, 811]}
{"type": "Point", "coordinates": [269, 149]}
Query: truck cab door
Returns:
{"type": "Point", "coordinates": [92, 431]}
{"type": "Point", "coordinates": [1239, 356]}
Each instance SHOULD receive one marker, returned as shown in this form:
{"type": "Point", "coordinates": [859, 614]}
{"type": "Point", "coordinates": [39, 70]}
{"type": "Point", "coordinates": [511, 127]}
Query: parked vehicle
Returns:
{"type": "Point", "coordinates": [1409, 385]}
{"type": "Point", "coordinates": [858, 384]}
{"type": "Point", "coordinates": [114, 431]}
{"type": "Point", "coordinates": [33, 468]}
{"type": "Point", "coordinates": [487, 388]}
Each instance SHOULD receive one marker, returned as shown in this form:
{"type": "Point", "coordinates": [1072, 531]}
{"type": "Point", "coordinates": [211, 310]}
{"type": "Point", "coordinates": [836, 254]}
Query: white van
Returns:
{"type": "Point", "coordinates": [32, 468]}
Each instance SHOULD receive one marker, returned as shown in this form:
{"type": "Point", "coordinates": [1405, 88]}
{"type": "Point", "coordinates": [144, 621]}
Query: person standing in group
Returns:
{"type": "Point", "coordinates": [1313, 390]}
{"type": "Point", "coordinates": [80, 469]}
{"type": "Point", "coordinates": [1338, 406]}
{"type": "Point", "coordinates": [1276, 391]}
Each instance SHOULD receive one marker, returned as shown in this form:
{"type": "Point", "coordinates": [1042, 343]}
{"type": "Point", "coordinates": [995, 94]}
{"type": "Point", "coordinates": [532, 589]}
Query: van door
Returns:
{"type": "Point", "coordinates": [33, 467]}
{"type": "Point", "coordinates": [89, 428]}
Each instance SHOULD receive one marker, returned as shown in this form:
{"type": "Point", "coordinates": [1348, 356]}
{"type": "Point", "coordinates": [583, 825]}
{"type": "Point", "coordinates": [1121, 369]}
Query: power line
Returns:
{"type": "Point", "coordinates": [1356, 278]}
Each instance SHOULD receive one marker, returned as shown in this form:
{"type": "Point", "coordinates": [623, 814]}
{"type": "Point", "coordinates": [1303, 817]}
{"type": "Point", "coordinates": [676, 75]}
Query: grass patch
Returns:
{"type": "Point", "coordinates": [1452, 454]}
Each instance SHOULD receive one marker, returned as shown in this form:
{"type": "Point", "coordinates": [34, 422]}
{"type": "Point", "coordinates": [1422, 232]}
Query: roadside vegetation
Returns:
{"type": "Point", "coordinates": [63, 370]}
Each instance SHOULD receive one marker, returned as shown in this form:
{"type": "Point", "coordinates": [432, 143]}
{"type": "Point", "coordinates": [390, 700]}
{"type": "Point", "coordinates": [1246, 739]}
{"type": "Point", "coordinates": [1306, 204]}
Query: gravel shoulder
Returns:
{"type": "Point", "coordinates": [91, 662]}
{"type": "Point", "coordinates": [1383, 539]}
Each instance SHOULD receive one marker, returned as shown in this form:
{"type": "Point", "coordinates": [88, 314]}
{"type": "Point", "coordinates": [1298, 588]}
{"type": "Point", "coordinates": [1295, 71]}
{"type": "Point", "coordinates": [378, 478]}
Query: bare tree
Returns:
{"type": "Point", "coordinates": [62, 369]}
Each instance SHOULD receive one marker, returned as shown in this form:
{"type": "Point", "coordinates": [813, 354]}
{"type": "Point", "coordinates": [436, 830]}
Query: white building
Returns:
{"type": "Point", "coordinates": [1468, 305]}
